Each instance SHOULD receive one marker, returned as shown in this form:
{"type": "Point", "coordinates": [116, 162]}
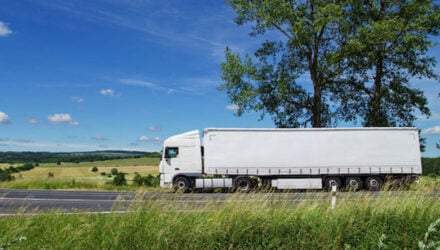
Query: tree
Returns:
{"type": "Point", "coordinates": [119, 179]}
{"type": "Point", "coordinates": [387, 48]}
{"type": "Point", "coordinates": [360, 56]}
{"type": "Point", "coordinates": [311, 33]}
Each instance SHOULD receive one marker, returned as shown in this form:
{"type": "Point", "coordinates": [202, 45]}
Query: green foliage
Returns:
{"type": "Point", "coordinates": [6, 176]}
{"type": "Point", "coordinates": [431, 166]}
{"type": "Point", "coordinates": [432, 237]}
{"type": "Point", "coordinates": [119, 179]}
{"type": "Point", "coordinates": [239, 223]}
{"type": "Point", "coordinates": [50, 175]}
{"type": "Point", "coordinates": [94, 169]}
{"type": "Point", "coordinates": [25, 167]}
{"type": "Point", "coordinates": [309, 44]}
{"type": "Point", "coordinates": [149, 180]}
{"type": "Point", "coordinates": [114, 171]}
{"type": "Point", "coordinates": [359, 55]}
{"type": "Point", "coordinates": [388, 47]}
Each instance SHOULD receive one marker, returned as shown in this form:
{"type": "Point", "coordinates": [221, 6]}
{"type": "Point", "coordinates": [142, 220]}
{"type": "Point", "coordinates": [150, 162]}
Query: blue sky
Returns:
{"type": "Point", "coordinates": [124, 74]}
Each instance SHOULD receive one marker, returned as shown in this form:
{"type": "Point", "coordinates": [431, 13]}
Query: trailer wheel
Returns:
{"type": "Point", "coordinates": [353, 183]}
{"type": "Point", "coordinates": [332, 181]}
{"type": "Point", "coordinates": [181, 184]}
{"type": "Point", "coordinates": [374, 183]}
{"type": "Point", "coordinates": [243, 184]}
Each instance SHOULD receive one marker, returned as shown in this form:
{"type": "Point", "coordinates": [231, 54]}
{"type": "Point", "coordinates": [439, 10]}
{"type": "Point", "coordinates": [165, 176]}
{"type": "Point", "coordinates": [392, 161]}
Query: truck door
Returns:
{"type": "Point", "coordinates": [171, 163]}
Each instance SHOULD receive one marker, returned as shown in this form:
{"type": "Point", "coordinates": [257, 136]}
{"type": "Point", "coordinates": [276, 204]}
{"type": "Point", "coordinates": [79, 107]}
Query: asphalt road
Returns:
{"type": "Point", "coordinates": [14, 202]}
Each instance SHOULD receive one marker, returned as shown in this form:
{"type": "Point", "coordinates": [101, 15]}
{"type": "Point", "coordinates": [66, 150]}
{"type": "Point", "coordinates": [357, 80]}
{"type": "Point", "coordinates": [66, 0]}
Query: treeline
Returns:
{"type": "Point", "coordinates": [49, 157]}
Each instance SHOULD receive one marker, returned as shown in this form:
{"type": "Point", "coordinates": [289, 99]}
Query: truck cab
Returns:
{"type": "Point", "coordinates": [181, 158]}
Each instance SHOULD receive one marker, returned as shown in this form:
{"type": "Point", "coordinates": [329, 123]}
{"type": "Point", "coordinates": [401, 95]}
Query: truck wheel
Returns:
{"type": "Point", "coordinates": [181, 184]}
{"type": "Point", "coordinates": [332, 181]}
{"type": "Point", "coordinates": [374, 183]}
{"type": "Point", "coordinates": [243, 184]}
{"type": "Point", "coordinates": [353, 183]}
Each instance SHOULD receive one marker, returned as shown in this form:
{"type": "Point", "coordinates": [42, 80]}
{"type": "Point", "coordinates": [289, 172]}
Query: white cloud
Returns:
{"type": "Point", "coordinates": [154, 128]}
{"type": "Point", "coordinates": [4, 118]}
{"type": "Point", "coordinates": [33, 121]}
{"type": "Point", "coordinates": [432, 131]}
{"type": "Point", "coordinates": [4, 29]}
{"type": "Point", "coordinates": [145, 84]}
{"type": "Point", "coordinates": [62, 119]}
{"type": "Point", "coordinates": [233, 107]}
{"type": "Point", "coordinates": [77, 99]}
{"type": "Point", "coordinates": [156, 140]}
{"type": "Point", "coordinates": [144, 138]}
{"type": "Point", "coordinates": [107, 92]}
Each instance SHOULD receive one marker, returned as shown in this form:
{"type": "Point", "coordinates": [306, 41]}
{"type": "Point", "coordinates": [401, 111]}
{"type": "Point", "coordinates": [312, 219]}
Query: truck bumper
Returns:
{"type": "Point", "coordinates": [166, 181]}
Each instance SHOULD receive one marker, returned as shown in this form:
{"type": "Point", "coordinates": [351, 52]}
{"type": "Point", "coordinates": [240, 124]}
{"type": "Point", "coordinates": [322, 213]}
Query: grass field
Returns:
{"type": "Point", "coordinates": [381, 223]}
{"type": "Point", "coordinates": [80, 176]}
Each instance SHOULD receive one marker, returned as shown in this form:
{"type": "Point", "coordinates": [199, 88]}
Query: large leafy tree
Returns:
{"type": "Point", "coordinates": [387, 48]}
{"type": "Point", "coordinates": [359, 55]}
{"type": "Point", "coordinates": [309, 36]}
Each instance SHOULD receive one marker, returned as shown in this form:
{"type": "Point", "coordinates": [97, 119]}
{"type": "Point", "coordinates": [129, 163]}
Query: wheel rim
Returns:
{"type": "Point", "coordinates": [243, 185]}
{"type": "Point", "coordinates": [181, 185]}
{"type": "Point", "coordinates": [374, 183]}
{"type": "Point", "coordinates": [354, 184]}
{"type": "Point", "coordinates": [333, 183]}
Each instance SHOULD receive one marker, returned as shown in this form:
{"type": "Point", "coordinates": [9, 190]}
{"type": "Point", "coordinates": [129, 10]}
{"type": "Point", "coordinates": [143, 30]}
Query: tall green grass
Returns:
{"type": "Point", "coordinates": [244, 222]}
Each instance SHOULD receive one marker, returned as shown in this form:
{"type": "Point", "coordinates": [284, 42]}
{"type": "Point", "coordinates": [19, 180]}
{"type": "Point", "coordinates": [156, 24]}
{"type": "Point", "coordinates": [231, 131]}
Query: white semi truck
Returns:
{"type": "Point", "coordinates": [310, 158]}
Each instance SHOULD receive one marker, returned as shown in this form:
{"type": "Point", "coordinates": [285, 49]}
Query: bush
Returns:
{"type": "Point", "coordinates": [103, 173]}
{"type": "Point", "coordinates": [11, 170]}
{"type": "Point", "coordinates": [119, 179]}
{"type": "Point", "coordinates": [25, 167]}
{"type": "Point", "coordinates": [50, 175]}
{"type": "Point", "coordinates": [149, 180]}
{"type": "Point", "coordinates": [94, 169]}
{"type": "Point", "coordinates": [152, 181]}
{"type": "Point", "coordinates": [5, 176]}
{"type": "Point", "coordinates": [114, 171]}
{"type": "Point", "coordinates": [137, 179]}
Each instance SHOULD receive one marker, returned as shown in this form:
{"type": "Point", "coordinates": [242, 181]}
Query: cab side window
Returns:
{"type": "Point", "coordinates": [171, 152]}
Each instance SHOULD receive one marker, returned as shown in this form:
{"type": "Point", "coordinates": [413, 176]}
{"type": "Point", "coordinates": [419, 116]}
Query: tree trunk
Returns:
{"type": "Point", "coordinates": [316, 111]}
{"type": "Point", "coordinates": [376, 118]}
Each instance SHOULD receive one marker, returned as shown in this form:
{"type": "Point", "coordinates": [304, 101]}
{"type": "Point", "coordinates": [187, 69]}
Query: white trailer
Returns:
{"type": "Point", "coordinates": [312, 158]}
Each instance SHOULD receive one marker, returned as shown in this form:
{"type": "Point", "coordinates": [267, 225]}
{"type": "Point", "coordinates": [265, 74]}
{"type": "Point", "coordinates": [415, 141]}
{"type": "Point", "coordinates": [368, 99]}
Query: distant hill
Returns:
{"type": "Point", "coordinates": [24, 157]}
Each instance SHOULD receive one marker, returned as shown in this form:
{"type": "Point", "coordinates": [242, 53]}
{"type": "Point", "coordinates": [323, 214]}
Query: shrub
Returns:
{"type": "Point", "coordinates": [5, 176]}
{"type": "Point", "coordinates": [114, 171]}
{"type": "Point", "coordinates": [50, 175]}
{"type": "Point", "coordinates": [94, 169]}
{"type": "Point", "coordinates": [25, 167]}
{"type": "Point", "coordinates": [103, 173]}
{"type": "Point", "coordinates": [152, 181]}
{"type": "Point", "coordinates": [11, 170]}
{"type": "Point", "coordinates": [119, 179]}
{"type": "Point", "coordinates": [149, 180]}
{"type": "Point", "coordinates": [137, 179]}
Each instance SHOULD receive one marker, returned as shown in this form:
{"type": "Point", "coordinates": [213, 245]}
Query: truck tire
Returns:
{"type": "Point", "coordinates": [243, 184]}
{"type": "Point", "coordinates": [181, 184]}
{"type": "Point", "coordinates": [374, 183]}
{"type": "Point", "coordinates": [332, 181]}
{"type": "Point", "coordinates": [354, 183]}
